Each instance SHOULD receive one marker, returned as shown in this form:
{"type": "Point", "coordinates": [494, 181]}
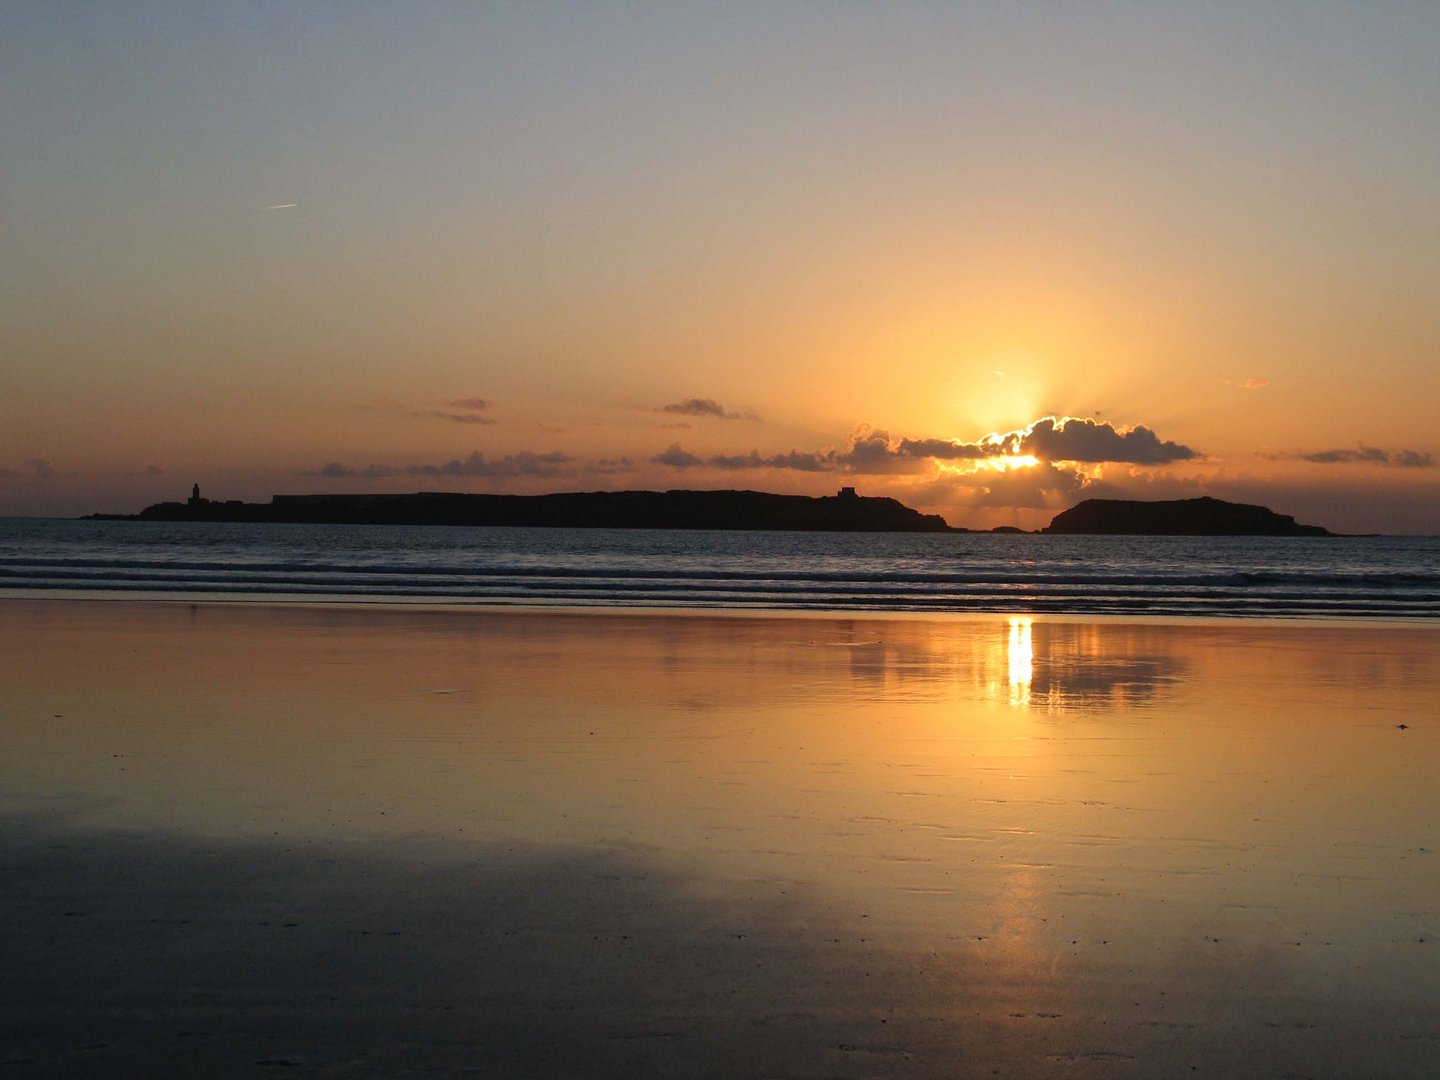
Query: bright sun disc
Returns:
{"type": "Point", "coordinates": [1006, 462]}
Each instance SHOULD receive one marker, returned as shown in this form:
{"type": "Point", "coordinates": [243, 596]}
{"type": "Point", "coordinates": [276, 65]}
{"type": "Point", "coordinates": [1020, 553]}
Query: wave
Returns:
{"type": "Point", "coordinates": [380, 573]}
{"type": "Point", "coordinates": [1395, 577]}
{"type": "Point", "coordinates": [1130, 595]}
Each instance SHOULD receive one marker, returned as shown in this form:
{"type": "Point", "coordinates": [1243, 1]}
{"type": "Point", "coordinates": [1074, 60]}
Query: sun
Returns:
{"type": "Point", "coordinates": [1007, 462]}
{"type": "Point", "coordinates": [997, 463]}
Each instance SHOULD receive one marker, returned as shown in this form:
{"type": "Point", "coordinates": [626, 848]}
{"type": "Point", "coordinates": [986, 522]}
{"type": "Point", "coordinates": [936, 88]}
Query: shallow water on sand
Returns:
{"type": "Point", "coordinates": [355, 842]}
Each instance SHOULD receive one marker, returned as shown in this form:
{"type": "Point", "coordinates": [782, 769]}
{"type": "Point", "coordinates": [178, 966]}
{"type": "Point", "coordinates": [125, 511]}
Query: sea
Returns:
{"type": "Point", "coordinates": [1257, 577]}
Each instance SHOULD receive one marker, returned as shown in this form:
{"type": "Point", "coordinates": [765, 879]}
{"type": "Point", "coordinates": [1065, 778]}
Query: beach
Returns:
{"type": "Point", "coordinates": [254, 839]}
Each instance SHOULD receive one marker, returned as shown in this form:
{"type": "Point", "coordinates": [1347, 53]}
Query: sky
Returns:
{"type": "Point", "coordinates": [988, 259]}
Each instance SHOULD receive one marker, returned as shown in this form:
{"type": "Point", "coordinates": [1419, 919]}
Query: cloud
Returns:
{"type": "Point", "coordinates": [677, 458]}
{"type": "Point", "coordinates": [608, 466]}
{"type": "Point", "coordinates": [1371, 455]}
{"type": "Point", "coordinates": [454, 418]}
{"type": "Point", "coordinates": [1336, 457]}
{"type": "Point", "coordinates": [1247, 384]}
{"type": "Point", "coordinates": [1078, 439]}
{"type": "Point", "coordinates": [872, 451]}
{"type": "Point", "coordinates": [946, 450]}
{"type": "Point", "coordinates": [40, 469]}
{"type": "Point", "coordinates": [1412, 459]}
{"type": "Point", "coordinates": [473, 408]}
{"type": "Point", "coordinates": [705, 408]}
{"type": "Point", "coordinates": [798, 460]}
{"type": "Point", "coordinates": [523, 463]}
{"type": "Point", "coordinates": [1054, 438]}
{"type": "Point", "coordinates": [869, 452]}
{"type": "Point", "coordinates": [337, 471]}
{"type": "Point", "coordinates": [476, 464]}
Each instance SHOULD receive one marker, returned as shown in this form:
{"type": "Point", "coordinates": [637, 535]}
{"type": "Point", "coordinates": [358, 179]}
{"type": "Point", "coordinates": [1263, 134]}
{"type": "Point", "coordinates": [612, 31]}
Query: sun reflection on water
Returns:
{"type": "Point", "coordinates": [1020, 652]}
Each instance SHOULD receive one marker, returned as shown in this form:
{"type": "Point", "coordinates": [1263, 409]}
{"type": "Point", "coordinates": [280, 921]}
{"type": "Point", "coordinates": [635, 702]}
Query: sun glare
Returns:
{"type": "Point", "coordinates": [998, 463]}
{"type": "Point", "coordinates": [1006, 462]}
{"type": "Point", "coordinates": [1020, 657]}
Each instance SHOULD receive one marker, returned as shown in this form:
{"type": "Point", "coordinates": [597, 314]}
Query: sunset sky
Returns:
{"type": "Point", "coordinates": [989, 259]}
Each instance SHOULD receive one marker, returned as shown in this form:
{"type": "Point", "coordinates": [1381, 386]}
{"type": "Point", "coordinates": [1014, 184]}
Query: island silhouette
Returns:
{"type": "Point", "coordinates": [845, 511]}
{"type": "Point", "coordinates": [1176, 517]}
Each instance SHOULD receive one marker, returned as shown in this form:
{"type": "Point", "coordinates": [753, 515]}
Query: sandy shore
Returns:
{"type": "Point", "coordinates": [291, 841]}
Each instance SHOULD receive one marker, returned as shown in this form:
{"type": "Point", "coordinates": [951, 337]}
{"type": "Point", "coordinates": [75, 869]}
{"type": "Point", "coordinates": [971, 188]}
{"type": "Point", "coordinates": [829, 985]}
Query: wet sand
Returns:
{"type": "Point", "coordinates": [300, 841]}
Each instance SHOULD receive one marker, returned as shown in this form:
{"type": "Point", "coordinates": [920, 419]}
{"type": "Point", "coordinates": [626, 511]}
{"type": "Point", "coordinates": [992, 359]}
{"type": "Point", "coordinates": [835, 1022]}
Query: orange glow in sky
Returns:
{"type": "Point", "coordinates": [289, 253]}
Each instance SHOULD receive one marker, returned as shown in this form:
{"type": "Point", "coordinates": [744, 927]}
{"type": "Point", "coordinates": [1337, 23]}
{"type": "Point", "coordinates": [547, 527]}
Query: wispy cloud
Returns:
{"type": "Point", "coordinates": [1247, 384]}
{"type": "Point", "coordinates": [452, 417]}
{"type": "Point", "coordinates": [677, 457]}
{"type": "Point", "coordinates": [523, 463]}
{"type": "Point", "coordinates": [705, 408]}
{"type": "Point", "coordinates": [282, 206]}
{"type": "Point", "coordinates": [338, 471]}
{"type": "Point", "coordinates": [608, 466]}
{"type": "Point", "coordinates": [472, 410]}
{"type": "Point", "coordinates": [1368, 455]}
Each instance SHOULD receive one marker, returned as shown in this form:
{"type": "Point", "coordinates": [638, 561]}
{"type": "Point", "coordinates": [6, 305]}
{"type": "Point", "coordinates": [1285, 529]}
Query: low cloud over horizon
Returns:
{"type": "Point", "coordinates": [873, 451]}
{"type": "Point", "coordinates": [523, 463]}
{"type": "Point", "coordinates": [1015, 475]}
{"type": "Point", "coordinates": [1367, 455]}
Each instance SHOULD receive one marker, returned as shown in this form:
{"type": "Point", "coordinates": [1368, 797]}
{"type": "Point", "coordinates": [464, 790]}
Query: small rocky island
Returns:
{"type": "Point", "coordinates": [750, 510]}
{"type": "Point", "coordinates": [1177, 517]}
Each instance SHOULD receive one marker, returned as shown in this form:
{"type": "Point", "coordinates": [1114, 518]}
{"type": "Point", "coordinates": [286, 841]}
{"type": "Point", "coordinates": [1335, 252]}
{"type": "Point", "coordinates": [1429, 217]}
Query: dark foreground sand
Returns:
{"type": "Point", "coordinates": [268, 841]}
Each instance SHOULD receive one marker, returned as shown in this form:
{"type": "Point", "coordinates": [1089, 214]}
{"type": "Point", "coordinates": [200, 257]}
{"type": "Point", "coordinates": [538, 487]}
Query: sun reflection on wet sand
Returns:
{"type": "Point", "coordinates": [901, 847]}
{"type": "Point", "coordinates": [1020, 659]}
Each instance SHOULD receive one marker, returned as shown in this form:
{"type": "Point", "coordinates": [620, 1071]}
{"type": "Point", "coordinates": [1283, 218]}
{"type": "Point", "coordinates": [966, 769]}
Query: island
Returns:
{"type": "Point", "coordinates": [845, 511]}
{"type": "Point", "coordinates": [1176, 517]}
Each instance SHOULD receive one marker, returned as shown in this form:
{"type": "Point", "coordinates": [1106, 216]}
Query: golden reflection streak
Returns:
{"type": "Point", "coordinates": [1021, 656]}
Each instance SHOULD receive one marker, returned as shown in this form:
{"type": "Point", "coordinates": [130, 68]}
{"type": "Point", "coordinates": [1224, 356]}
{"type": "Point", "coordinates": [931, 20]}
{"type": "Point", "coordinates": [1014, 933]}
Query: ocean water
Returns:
{"type": "Point", "coordinates": [1360, 577]}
